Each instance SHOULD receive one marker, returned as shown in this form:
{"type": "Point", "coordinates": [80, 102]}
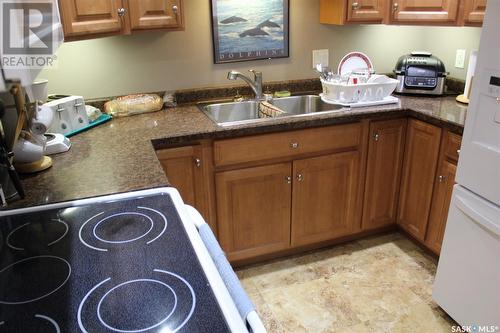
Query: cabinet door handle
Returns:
{"type": "Point", "coordinates": [294, 145]}
{"type": "Point", "coordinates": [441, 179]}
{"type": "Point", "coordinates": [121, 12]}
{"type": "Point", "coordinates": [355, 5]}
{"type": "Point", "coordinates": [395, 6]}
{"type": "Point", "coordinates": [376, 137]}
{"type": "Point", "coordinates": [197, 162]}
{"type": "Point", "coordinates": [175, 9]}
{"type": "Point", "coordinates": [458, 151]}
{"type": "Point", "coordinates": [288, 179]}
{"type": "Point", "coordinates": [300, 177]}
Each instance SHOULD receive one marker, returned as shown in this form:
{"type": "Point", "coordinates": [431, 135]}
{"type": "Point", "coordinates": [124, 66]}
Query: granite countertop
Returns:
{"type": "Point", "coordinates": [119, 156]}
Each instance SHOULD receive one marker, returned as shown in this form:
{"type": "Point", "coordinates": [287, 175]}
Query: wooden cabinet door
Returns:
{"type": "Point", "coordinates": [188, 169]}
{"type": "Point", "coordinates": [441, 200]}
{"type": "Point", "coordinates": [84, 17]}
{"type": "Point", "coordinates": [419, 171]}
{"type": "Point", "coordinates": [425, 11]}
{"type": "Point", "coordinates": [383, 178]}
{"type": "Point", "coordinates": [474, 11]}
{"type": "Point", "coordinates": [325, 200]}
{"type": "Point", "coordinates": [367, 11]}
{"type": "Point", "coordinates": [155, 14]}
{"type": "Point", "coordinates": [253, 210]}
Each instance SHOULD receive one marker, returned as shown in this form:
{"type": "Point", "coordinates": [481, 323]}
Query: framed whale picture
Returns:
{"type": "Point", "coordinates": [245, 30]}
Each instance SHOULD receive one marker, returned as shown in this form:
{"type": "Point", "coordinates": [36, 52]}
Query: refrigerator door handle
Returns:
{"type": "Point", "coordinates": [469, 210]}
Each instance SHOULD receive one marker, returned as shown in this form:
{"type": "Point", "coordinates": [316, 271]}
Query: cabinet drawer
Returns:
{"type": "Point", "coordinates": [278, 145]}
{"type": "Point", "coordinates": [452, 143]}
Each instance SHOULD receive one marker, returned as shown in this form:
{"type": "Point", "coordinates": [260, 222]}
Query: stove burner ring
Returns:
{"type": "Point", "coordinates": [143, 329]}
{"type": "Point", "coordinates": [173, 330]}
{"type": "Point", "coordinates": [45, 295]}
{"type": "Point", "coordinates": [150, 210]}
{"type": "Point", "coordinates": [9, 244]}
{"type": "Point", "coordinates": [39, 316]}
{"type": "Point", "coordinates": [107, 218]}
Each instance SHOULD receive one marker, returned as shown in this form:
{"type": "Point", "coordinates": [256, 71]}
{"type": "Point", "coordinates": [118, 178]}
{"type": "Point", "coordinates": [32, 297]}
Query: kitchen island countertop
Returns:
{"type": "Point", "coordinates": [119, 156]}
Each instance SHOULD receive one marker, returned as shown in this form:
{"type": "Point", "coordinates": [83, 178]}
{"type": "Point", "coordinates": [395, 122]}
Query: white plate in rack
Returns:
{"type": "Point", "coordinates": [387, 100]}
{"type": "Point", "coordinates": [354, 61]}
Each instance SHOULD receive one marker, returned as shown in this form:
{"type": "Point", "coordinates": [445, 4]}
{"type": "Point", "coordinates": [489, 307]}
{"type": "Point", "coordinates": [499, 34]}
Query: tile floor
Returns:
{"type": "Point", "coordinates": [378, 284]}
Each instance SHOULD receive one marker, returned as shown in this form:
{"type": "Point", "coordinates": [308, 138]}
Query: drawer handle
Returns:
{"type": "Point", "coordinates": [300, 177]}
{"type": "Point", "coordinates": [197, 162]}
{"type": "Point", "coordinates": [294, 145]}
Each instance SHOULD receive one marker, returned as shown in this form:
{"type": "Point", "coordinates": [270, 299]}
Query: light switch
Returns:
{"type": "Point", "coordinates": [460, 58]}
{"type": "Point", "coordinates": [321, 57]}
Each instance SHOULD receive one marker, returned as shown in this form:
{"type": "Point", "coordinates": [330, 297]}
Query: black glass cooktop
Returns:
{"type": "Point", "coordinates": [125, 266]}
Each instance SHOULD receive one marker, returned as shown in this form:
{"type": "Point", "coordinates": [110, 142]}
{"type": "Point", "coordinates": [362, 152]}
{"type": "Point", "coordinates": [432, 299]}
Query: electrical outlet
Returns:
{"type": "Point", "coordinates": [460, 58]}
{"type": "Point", "coordinates": [321, 57]}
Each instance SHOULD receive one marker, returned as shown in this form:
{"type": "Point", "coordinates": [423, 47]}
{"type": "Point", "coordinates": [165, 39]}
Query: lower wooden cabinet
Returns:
{"type": "Point", "coordinates": [325, 202]}
{"type": "Point", "coordinates": [189, 170]}
{"type": "Point", "coordinates": [254, 206]}
{"type": "Point", "coordinates": [419, 171]}
{"type": "Point", "coordinates": [441, 200]}
{"type": "Point", "coordinates": [383, 176]}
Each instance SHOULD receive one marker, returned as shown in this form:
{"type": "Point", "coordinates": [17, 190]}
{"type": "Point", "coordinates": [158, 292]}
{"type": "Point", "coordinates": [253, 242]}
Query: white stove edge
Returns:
{"type": "Point", "coordinates": [226, 303]}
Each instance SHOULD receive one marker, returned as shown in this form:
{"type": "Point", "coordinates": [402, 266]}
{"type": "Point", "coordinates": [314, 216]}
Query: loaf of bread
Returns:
{"type": "Point", "coordinates": [133, 104]}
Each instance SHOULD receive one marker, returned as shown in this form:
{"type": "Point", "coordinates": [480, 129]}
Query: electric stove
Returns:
{"type": "Point", "coordinates": [123, 263]}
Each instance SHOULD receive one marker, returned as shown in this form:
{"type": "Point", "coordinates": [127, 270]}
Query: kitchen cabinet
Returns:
{"type": "Point", "coordinates": [424, 11]}
{"type": "Point", "coordinates": [473, 13]}
{"type": "Point", "coordinates": [254, 206]}
{"type": "Point", "coordinates": [189, 170]}
{"type": "Point", "coordinates": [91, 19]}
{"type": "Point", "coordinates": [155, 14]}
{"type": "Point", "coordinates": [83, 17]}
{"type": "Point", "coordinates": [383, 176]}
{"type": "Point", "coordinates": [290, 189]}
{"type": "Point", "coordinates": [340, 12]}
{"type": "Point", "coordinates": [443, 189]}
{"type": "Point", "coordinates": [326, 201]}
{"type": "Point", "coordinates": [423, 142]}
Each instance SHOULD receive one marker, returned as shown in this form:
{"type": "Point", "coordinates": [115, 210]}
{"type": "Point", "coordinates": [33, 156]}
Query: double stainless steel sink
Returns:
{"type": "Point", "coordinates": [235, 113]}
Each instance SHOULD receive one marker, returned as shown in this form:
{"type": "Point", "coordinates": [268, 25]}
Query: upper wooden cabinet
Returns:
{"type": "Point", "coordinates": [155, 14]}
{"type": "Point", "coordinates": [97, 18]}
{"type": "Point", "coordinates": [423, 142]}
{"type": "Point", "coordinates": [474, 11]}
{"type": "Point", "coordinates": [424, 11]}
{"type": "Point", "coordinates": [417, 12]}
{"type": "Point", "coordinates": [383, 176]}
{"type": "Point", "coordinates": [83, 17]}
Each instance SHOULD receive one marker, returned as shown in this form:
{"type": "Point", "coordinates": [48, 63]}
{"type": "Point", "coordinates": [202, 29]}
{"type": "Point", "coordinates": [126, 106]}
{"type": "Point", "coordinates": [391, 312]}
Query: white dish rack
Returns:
{"type": "Point", "coordinates": [362, 93]}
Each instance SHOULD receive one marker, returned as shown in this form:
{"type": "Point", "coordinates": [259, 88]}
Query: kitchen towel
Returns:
{"type": "Point", "coordinates": [240, 297]}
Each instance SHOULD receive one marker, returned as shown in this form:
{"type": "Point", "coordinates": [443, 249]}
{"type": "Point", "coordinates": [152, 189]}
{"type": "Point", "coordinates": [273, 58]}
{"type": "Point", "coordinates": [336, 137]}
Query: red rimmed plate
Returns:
{"type": "Point", "coordinates": [354, 61]}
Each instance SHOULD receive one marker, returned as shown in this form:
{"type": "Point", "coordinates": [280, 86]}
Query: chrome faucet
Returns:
{"type": "Point", "coordinates": [256, 84]}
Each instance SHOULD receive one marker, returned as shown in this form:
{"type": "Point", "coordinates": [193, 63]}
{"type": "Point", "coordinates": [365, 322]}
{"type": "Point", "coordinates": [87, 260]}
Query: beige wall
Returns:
{"type": "Point", "coordinates": [176, 60]}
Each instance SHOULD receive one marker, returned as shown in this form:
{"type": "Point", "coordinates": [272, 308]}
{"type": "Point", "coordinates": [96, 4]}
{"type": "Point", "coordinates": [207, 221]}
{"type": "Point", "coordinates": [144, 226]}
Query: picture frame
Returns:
{"type": "Point", "coordinates": [245, 30]}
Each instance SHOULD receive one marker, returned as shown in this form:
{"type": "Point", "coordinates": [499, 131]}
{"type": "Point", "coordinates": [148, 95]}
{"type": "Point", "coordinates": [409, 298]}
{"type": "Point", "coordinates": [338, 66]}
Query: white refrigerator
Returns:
{"type": "Point", "coordinates": [467, 284]}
